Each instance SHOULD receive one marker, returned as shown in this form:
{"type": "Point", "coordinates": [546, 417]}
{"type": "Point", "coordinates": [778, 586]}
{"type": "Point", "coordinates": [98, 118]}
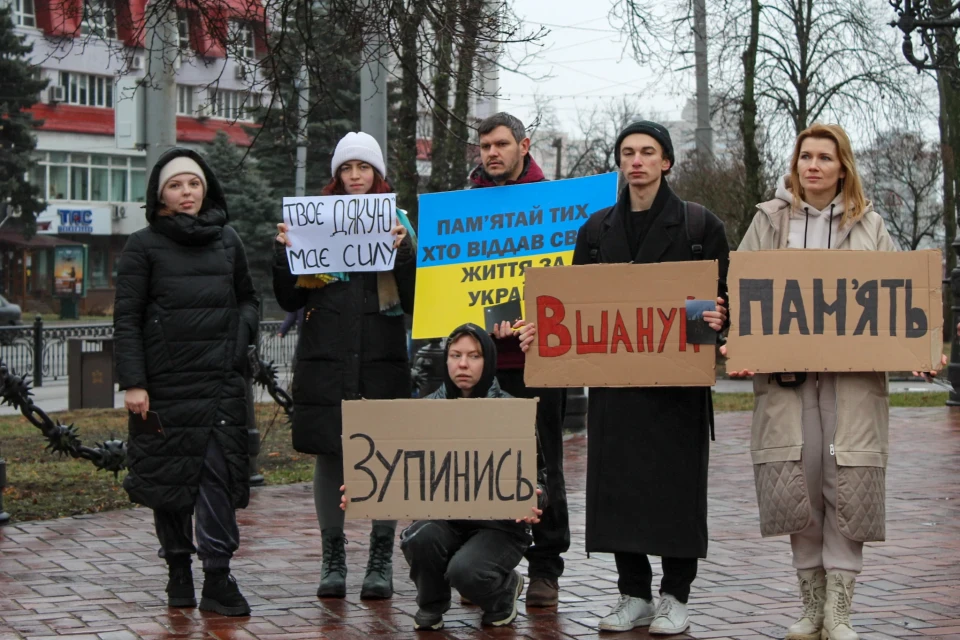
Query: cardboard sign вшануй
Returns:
{"type": "Point", "coordinates": [464, 459]}
{"type": "Point", "coordinates": [331, 234]}
{"type": "Point", "coordinates": [823, 310]}
{"type": "Point", "coordinates": [618, 325]}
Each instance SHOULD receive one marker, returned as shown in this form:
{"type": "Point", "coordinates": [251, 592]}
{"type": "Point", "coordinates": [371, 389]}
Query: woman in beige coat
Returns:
{"type": "Point", "coordinates": [819, 440]}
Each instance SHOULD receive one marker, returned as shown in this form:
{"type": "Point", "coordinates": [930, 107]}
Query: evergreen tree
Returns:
{"type": "Point", "coordinates": [18, 92]}
{"type": "Point", "coordinates": [334, 104]}
{"type": "Point", "coordinates": [254, 212]}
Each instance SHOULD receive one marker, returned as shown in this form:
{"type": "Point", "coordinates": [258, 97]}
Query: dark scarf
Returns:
{"type": "Point", "coordinates": [194, 231]}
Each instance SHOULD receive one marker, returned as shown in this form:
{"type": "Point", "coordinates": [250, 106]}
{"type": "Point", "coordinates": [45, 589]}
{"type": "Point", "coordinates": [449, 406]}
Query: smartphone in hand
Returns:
{"type": "Point", "coordinates": [149, 426]}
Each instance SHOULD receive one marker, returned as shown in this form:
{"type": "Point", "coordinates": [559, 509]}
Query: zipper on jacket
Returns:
{"type": "Point", "coordinates": [836, 411]}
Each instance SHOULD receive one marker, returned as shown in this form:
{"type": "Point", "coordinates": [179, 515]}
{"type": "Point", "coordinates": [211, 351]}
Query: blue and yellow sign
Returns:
{"type": "Point", "coordinates": [474, 245]}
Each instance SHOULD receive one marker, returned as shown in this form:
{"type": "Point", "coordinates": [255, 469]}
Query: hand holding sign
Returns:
{"type": "Point", "coordinates": [535, 518]}
{"type": "Point", "coordinates": [282, 234]}
{"type": "Point", "coordinates": [716, 319]}
{"type": "Point", "coordinates": [928, 376]}
{"type": "Point", "coordinates": [743, 373]}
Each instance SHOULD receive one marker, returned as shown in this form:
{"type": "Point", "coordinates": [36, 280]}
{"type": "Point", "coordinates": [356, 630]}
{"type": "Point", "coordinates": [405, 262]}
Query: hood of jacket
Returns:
{"type": "Point", "coordinates": [784, 198]}
{"type": "Point", "coordinates": [780, 210]}
{"type": "Point", "coordinates": [214, 198]}
{"type": "Point", "coordinates": [531, 173]}
{"type": "Point", "coordinates": [487, 381]}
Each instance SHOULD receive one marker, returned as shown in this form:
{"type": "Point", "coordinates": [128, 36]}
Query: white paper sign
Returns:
{"type": "Point", "coordinates": [340, 233]}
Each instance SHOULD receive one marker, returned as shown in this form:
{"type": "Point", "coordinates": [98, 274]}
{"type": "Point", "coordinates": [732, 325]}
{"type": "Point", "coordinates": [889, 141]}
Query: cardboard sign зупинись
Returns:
{"type": "Point", "coordinates": [823, 310]}
{"type": "Point", "coordinates": [618, 325]}
{"type": "Point", "coordinates": [464, 459]}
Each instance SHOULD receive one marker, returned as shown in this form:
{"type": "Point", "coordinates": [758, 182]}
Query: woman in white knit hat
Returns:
{"type": "Point", "coordinates": [184, 315]}
{"type": "Point", "coordinates": [352, 345]}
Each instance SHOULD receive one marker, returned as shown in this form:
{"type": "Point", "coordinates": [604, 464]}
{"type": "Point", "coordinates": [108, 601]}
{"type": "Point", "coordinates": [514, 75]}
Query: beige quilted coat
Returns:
{"type": "Point", "coordinates": [861, 443]}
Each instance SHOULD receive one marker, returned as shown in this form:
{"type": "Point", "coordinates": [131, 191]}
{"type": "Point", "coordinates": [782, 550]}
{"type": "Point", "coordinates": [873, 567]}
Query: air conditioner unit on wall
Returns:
{"type": "Point", "coordinates": [136, 62]}
{"type": "Point", "coordinates": [241, 71]}
{"type": "Point", "coordinates": [119, 211]}
{"type": "Point", "coordinates": [56, 94]}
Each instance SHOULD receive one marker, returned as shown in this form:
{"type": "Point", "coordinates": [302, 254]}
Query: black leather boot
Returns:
{"type": "Point", "coordinates": [222, 595]}
{"type": "Point", "coordinates": [378, 581]}
{"type": "Point", "coordinates": [180, 593]}
{"type": "Point", "coordinates": [333, 576]}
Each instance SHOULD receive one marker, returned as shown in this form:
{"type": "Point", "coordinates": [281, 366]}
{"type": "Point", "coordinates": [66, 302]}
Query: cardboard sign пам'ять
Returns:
{"type": "Point", "coordinates": [464, 459]}
{"type": "Point", "coordinates": [618, 325]}
{"type": "Point", "coordinates": [823, 310]}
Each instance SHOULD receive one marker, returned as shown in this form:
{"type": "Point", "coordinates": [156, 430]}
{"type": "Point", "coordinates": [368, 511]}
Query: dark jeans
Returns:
{"type": "Point", "coordinates": [473, 558]}
{"type": "Point", "coordinates": [636, 576]}
{"type": "Point", "coordinates": [551, 536]}
{"type": "Point", "coordinates": [217, 533]}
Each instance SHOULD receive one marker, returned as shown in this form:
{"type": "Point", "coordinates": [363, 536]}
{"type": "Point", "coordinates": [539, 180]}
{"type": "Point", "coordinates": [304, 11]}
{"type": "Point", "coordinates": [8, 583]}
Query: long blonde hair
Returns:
{"type": "Point", "coordinates": [854, 200]}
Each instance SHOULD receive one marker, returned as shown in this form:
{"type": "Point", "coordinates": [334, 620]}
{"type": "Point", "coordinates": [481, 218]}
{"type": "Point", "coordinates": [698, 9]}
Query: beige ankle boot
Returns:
{"type": "Point", "coordinates": [836, 620]}
{"type": "Point", "coordinates": [813, 588]}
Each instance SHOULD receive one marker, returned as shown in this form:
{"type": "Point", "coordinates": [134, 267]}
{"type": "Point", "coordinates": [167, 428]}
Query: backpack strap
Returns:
{"type": "Point", "coordinates": [695, 221]}
{"type": "Point", "coordinates": [593, 237]}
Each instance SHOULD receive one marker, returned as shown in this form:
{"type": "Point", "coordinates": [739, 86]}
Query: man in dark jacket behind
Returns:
{"type": "Point", "coordinates": [506, 160]}
{"type": "Point", "coordinates": [649, 446]}
{"type": "Point", "coordinates": [478, 558]}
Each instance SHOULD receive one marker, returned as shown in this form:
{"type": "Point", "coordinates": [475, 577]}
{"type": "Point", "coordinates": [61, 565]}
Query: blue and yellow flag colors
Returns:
{"type": "Point", "coordinates": [475, 245]}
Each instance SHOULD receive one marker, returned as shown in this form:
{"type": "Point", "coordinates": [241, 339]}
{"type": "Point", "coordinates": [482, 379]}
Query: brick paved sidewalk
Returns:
{"type": "Point", "coordinates": [98, 577]}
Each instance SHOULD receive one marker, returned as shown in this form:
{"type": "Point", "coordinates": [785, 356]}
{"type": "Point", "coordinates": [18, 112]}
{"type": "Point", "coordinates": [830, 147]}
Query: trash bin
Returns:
{"type": "Point", "coordinates": [69, 308]}
{"type": "Point", "coordinates": [90, 374]}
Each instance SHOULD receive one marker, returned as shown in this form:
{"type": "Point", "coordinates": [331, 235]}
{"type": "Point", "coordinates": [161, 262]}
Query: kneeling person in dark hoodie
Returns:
{"type": "Point", "coordinates": [479, 558]}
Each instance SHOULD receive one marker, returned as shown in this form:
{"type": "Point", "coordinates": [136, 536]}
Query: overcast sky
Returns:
{"type": "Point", "coordinates": [583, 62]}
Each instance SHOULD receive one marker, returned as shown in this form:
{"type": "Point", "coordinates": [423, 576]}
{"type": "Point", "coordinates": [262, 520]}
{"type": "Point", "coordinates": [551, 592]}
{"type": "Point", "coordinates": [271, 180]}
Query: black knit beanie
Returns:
{"type": "Point", "coordinates": [656, 131]}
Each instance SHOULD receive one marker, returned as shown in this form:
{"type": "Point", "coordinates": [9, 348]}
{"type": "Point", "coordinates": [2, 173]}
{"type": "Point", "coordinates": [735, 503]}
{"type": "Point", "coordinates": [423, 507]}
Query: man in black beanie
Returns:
{"type": "Point", "coordinates": [649, 446]}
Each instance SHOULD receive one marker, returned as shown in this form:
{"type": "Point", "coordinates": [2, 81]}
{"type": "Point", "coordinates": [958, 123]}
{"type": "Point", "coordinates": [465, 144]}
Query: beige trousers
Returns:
{"type": "Point", "coordinates": [821, 544]}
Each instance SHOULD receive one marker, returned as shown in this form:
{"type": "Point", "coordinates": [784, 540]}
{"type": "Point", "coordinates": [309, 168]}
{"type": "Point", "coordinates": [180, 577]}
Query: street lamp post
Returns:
{"type": "Point", "coordinates": [935, 23]}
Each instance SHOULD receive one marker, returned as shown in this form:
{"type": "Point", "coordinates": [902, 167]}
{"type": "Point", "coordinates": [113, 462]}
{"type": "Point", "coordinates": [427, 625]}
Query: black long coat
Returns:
{"type": "Point", "coordinates": [347, 349]}
{"type": "Point", "coordinates": [649, 447]}
{"type": "Point", "coordinates": [184, 313]}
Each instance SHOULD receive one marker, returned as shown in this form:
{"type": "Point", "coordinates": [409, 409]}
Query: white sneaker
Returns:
{"type": "Point", "coordinates": [628, 613]}
{"type": "Point", "coordinates": [671, 617]}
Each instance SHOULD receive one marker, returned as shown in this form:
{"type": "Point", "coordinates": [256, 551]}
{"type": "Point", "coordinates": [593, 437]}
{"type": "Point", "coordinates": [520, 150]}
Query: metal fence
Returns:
{"type": "Point", "coordinates": [41, 351]}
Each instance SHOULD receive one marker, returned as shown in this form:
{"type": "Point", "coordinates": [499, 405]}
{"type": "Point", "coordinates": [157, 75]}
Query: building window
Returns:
{"type": "Point", "coordinates": [183, 28]}
{"type": "Point", "coordinates": [23, 13]}
{"type": "Point", "coordinates": [88, 177]}
{"type": "Point", "coordinates": [185, 100]}
{"type": "Point", "coordinates": [242, 37]}
{"type": "Point", "coordinates": [98, 267]}
{"type": "Point", "coordinates": [98, 19]}
{"type": "Point", "coordinates": [87, 90]}
{"type": "Point", "coordinates": [233, 105]}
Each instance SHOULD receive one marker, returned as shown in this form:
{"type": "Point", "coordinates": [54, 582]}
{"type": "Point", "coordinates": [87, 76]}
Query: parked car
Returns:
{"type": "Point", "coordinates": [9, 313]}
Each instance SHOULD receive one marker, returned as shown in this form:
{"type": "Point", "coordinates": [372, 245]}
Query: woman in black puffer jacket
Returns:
{"type": "Point", "coordinates": [352, 345]}
{"type": "Point", "coordinates": [185, 312]}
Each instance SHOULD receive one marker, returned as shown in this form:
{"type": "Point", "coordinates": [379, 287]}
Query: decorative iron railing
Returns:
{"type": "Point", "coordinates": [41, 351]}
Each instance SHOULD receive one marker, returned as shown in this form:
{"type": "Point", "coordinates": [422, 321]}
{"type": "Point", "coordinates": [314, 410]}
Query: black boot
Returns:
{"type": "Point", "coordinates": [333, 576]}
{"type": "Point", "coordinates": [180, 593]}
{"type": "Point", "coordinates": [221, 594]}
{"type": "Point", "coordinates": [378, 582]}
